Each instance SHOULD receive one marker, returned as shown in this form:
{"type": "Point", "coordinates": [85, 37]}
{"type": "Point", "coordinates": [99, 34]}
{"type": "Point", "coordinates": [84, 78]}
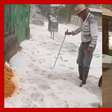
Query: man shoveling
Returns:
{"type": "Point", "coordinates": [89, 34]}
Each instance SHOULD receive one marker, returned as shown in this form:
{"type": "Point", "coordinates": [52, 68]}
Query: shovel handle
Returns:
{"type": "Point", "coordinates": [59, 51]}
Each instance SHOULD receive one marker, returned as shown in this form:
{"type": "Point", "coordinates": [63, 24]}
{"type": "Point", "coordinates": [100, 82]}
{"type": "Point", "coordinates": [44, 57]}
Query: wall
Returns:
{"type": "Point", "coordinates": [16, 27]}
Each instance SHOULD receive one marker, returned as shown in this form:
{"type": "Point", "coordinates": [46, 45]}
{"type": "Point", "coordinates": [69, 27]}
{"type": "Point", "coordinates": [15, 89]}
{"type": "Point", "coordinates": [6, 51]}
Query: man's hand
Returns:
{"type": "Point", "coordinates": [89, 50]}
{"type": "Point", "coordinates": [68, 33]}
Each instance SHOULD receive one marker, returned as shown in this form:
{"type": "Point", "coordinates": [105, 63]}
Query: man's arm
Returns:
{"type": "Point", "coordinates": [94, 32]}
{"type": "Point", "coordinates": [78, 30]}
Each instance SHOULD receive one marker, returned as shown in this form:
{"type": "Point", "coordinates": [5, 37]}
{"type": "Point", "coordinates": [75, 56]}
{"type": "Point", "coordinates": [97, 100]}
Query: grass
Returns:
{"type": "Point", "coordinates": [110, 52]}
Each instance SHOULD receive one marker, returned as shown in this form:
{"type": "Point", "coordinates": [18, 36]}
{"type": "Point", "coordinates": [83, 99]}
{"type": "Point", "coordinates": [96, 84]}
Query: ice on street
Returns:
{"type": "Point", "coordinates": [41, 85]}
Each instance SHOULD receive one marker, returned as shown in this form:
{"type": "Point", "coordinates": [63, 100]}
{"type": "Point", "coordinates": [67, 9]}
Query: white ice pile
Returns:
{"type": "Point", "coordinates": [42, 86]}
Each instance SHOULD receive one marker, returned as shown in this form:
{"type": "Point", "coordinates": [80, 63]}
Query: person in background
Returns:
{"type": "Point", "coordinates": [52, 23]}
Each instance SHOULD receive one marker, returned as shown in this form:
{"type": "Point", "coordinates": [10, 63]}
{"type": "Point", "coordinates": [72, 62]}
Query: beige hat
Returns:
{"type": "Point", "coordinates": [79, 8]}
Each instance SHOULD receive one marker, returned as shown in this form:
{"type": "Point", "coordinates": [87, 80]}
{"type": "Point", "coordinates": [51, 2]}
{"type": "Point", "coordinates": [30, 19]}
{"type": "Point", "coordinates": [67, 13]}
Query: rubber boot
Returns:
{"type": "Point", "coordinates": [80, 68]}
{"type": "Point", "coordinates": [84, 76]}
{"type": "Point", "coordinates": [100, 82]}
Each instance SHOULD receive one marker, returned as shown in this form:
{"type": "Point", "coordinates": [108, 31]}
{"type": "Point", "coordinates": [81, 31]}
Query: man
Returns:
{"type": "Point", "coordinates": [89, 34]}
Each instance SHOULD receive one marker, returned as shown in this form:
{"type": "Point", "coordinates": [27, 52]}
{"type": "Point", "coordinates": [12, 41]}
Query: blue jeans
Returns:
{"type": "Point", "coordinates": [84, 61]}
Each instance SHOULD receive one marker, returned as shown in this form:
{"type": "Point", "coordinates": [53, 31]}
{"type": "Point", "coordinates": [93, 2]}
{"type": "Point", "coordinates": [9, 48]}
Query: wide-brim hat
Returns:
{"type": "Point", "coordinates": [79, 8]}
